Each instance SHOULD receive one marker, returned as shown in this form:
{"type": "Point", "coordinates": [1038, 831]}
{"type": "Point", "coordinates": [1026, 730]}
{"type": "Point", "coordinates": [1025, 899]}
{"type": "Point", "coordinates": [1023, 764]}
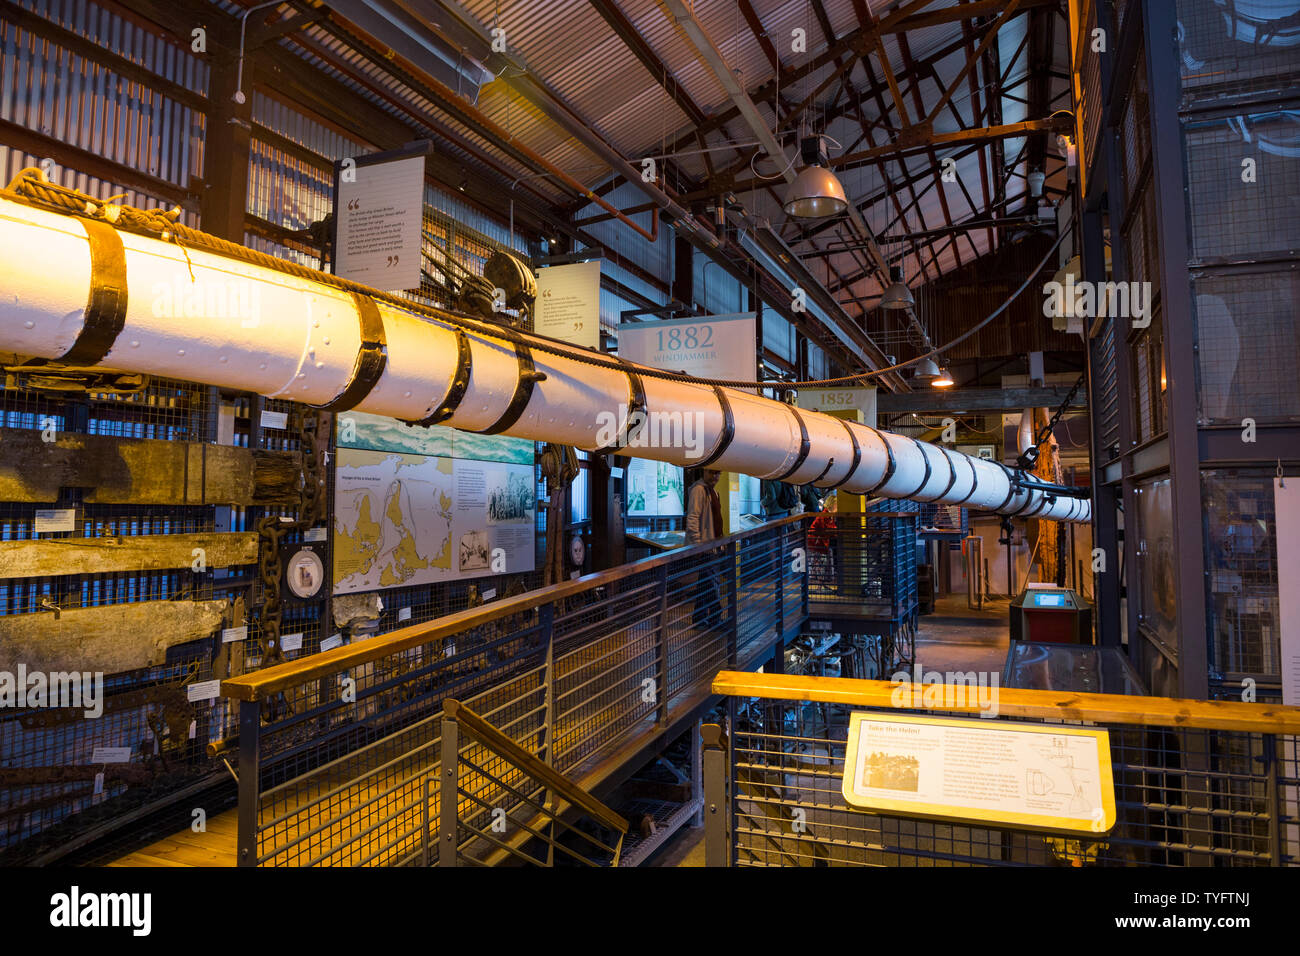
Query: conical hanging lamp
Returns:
{"type": "Point", "coordinates": [926, 369]}
{"type": "Point", "coordinates": [816, 192]}
{"type": "Point", "coordinates": [898, 295]}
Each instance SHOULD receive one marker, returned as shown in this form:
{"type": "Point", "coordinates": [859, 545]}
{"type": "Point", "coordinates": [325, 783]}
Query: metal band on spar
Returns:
{"type": "Point", "coordinates": [191, 314]}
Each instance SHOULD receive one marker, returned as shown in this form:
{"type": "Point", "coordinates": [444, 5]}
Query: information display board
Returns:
{"type": "Point", "coordinates": [568, 303]}
{"type": "Point", "coordinates": [379, 229]}
{"type": "Point", "coordinates": [1046, 777]}
{"type": "Point", "coordinates": [419, 505]}
{"type": "Point", "coordinates": [654, 489]}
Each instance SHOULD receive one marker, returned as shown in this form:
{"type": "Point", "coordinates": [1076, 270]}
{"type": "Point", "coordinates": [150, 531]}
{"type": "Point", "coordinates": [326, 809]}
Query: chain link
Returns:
{"type": "Point", "coordinates": [312, 426]}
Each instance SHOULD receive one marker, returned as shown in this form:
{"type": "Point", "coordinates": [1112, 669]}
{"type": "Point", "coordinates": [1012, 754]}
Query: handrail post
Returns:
{"type": "Point", "coordinates": [546, 614]}
{"type": "Point", "coordinates": [426, 825]}
{"type": "Point", "coordinates": [661, 650]}
{"type": "Point", "coordinates": [448, 798]}
{"type": "Point", "coordinates": [803, 582]}
{"type": "Point", "coordinates": [250, 773]}
{"type": "Point", "coordinates": [780, 585]}
{"type": "Point", "coordinates": [717, 809]}
{"type": "Point", "coordinates": [1275, 801]}
{"type": "Point", "coordinates": [733, 627]}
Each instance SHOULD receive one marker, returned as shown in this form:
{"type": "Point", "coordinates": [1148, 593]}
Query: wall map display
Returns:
{"type": "Point", "coordinates": [419, 505]}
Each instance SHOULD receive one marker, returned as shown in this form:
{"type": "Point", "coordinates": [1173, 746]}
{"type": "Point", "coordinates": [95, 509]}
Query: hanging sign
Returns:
{"type": "Point", "coordinates": [858, 398]}
{"type": "Point", "coordinates": [1033, 776]}
{"type": "Point", "coordinates": [568, 303]}
{"type": "Point", "coordinates": [379, 218]}
{"type": "Point", "coordinates": [713, 346]}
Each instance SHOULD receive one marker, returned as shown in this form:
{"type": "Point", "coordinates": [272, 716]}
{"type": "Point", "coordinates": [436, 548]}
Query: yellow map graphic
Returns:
{"type": "Point", "coordinates": [393, 518]}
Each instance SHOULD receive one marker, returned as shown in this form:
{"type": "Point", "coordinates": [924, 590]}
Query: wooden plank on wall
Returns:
{"type": "Point", "coordinates": [142, 471]}
{"type": "Point", "coordinates": [109, 639]}
{"type": "Point", "coordinates": [147, 552]}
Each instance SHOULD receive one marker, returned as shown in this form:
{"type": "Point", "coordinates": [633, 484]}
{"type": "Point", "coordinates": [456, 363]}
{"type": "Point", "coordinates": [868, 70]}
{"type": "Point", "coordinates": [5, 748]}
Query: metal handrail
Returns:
{"type": "Point", "coordinates": [1019, 702]}
{"type": "Point", "coordinates": [264, 683]}
{"type": "Point", "coordinates": [493, 738]}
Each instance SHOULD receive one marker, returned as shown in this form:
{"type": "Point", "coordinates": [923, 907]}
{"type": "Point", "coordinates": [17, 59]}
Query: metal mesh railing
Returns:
{"type": "Point", "coordinates": [1184, 797]}
{"type": "Point", "coordinates": [340, 759]}
{"type": "Point", "coordinates": [867, 561]}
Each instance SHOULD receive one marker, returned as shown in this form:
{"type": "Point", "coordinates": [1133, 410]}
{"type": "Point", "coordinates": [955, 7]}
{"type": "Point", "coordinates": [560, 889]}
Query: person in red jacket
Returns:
{"type": "Point", "coordinates": [821, 542]}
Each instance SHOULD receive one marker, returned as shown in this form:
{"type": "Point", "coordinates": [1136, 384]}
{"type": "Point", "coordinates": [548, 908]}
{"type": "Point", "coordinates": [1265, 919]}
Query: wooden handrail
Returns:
{"type": "Point", "coordinates": [485, 733]}
{"type": "Point", "coordinates": [271, 680]}
{"type": "Point", "coordinates": [1018, 702]}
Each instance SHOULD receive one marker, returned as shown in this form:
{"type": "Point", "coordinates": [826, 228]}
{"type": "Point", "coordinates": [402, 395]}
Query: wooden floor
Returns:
{"type": "Point", "coordinates": [215, 847]}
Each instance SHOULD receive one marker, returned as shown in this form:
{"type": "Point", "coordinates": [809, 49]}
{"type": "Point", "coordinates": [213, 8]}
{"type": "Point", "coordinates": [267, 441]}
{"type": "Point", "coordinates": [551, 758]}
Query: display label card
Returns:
{"type": "Point", "coordinates": [111, 755]}
{"type": "Point", "coordinates": [291, 642]}
{"type": "Point", "coordinates": [230, 634]}
{"type": "Point", "coordinates": [403, 614]}
{"type": "Point", "coordinates": [1034, 776]}
{"type": "Point", "coordinates": [275, 419]}
{"type": "Point", "coordinates": [54, 519]}
{"type": "Point", "coordinates": [331, 642]}
{"type": "Point", "coordinates": [315, 534]}
{"type": "Point", "coordinates": [203, 690]}
{"type": "Point", "coordinates": [489, 594]}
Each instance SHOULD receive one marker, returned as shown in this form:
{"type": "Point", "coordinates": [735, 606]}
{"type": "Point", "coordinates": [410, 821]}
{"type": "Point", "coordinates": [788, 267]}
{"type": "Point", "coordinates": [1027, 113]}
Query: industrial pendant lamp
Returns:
{"type": "Point", "coordinates": [943, 380]}
{"type": "Point", "coordinates": [926, 369]}
{"type": "Point", "coordinates": [816, 192]}
{"type": "Point", "coordinates": [898, 295]}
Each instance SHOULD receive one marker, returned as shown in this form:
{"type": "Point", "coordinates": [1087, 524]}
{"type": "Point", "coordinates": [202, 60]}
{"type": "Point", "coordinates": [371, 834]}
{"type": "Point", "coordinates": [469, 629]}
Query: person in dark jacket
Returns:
{"type": "Point", "coordinates": [704, 523]}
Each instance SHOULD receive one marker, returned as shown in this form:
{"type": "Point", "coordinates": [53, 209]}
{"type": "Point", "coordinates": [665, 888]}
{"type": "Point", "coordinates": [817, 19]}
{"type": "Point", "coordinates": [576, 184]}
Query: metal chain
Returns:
{"type": "Point", "coordinates": [1056, 417]}
{"type": "Point", "coordinates": [313, 441]}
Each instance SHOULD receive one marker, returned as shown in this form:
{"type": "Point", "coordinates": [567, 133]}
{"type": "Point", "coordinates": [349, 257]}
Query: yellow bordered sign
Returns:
{"type": "Point", "coordinates": [1031, 776]}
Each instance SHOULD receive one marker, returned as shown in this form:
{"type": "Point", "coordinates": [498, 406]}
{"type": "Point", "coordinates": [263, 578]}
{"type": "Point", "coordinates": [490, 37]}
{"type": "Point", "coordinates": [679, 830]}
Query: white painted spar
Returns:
{"type": "Point", "coordinates": [209, 318]}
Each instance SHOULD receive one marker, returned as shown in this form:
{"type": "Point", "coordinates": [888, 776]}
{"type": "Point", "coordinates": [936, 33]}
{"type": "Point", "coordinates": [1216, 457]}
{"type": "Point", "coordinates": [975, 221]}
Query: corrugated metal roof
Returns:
{"type": "Point", "coordinates": [569, 47]}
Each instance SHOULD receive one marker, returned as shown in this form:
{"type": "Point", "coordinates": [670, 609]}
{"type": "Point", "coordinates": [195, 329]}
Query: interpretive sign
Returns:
{"type": "Point", "coordinates": [418, 505]}
{"type": "Point", "coordinates": [568, 303]}
{"type": "Point", "coordinates": [1033, 776]}
{"type": "Point", "coordinates": [379, 206]}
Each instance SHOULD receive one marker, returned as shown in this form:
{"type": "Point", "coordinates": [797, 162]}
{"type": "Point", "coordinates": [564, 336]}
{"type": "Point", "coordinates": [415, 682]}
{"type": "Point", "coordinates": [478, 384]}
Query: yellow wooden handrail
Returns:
{"type": "Point", "coordinates": [1018, 702]}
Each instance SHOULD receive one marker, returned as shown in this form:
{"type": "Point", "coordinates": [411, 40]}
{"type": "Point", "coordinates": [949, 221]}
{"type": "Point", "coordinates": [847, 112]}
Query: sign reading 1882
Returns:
{"type": "Point", "coordinates": [689, 338]}
{"type": "Point", "coordinates": [719, 346]}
